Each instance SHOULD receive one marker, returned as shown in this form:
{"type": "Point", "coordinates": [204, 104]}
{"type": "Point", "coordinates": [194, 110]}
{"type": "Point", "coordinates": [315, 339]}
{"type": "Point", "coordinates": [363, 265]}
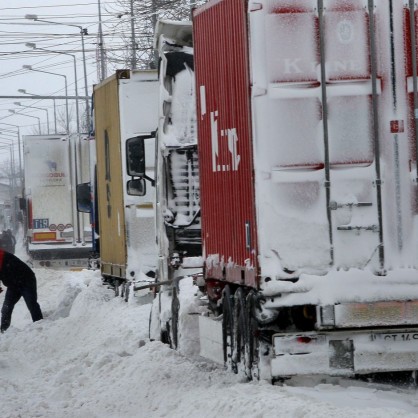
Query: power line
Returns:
{"type": "Point", "coordinates": [44, 16]}
{"type": "Point", "coordinates": [53, 6]}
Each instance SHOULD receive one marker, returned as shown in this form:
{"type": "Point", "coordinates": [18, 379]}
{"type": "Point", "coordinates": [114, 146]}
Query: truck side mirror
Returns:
{"type": "Point", "coordinates": [22, 203]}
{"type": "Point", "coordinates": [136, 187]}
{"type": "Point", "coordinates": [83, 192]}
{"type": "Point", "coordinates": [135, 156]}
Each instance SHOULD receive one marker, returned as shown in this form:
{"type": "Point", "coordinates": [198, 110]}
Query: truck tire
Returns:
{"type": "Point", "coordinates": [116, 284]}
{"type": "Point", "coordinates": [126, 290]}
{"type": "Point", "coordinates": [240, 331]}
{"type": "Point", "coordinates": [252, 344]}
{"type": "Point", "coordinates": [227, 325]}
{"type": "Point", "coordinates": [175, 309]}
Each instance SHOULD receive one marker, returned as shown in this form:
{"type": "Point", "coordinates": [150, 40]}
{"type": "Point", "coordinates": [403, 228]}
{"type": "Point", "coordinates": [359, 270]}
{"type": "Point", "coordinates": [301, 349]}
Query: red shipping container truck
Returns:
{"type": "Point", "coordinates": [308, 171]}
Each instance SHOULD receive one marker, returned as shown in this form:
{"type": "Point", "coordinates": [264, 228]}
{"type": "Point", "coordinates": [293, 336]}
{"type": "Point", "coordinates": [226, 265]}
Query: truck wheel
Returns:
{"type": "Point", "coordinates": [252, 344]}
{"type": "Point", "coordinates": [122, 289]}
{"type": "Point", "coordinates": [126, 290]}
{"type": "Point", "coordinates": [165, 334]}
{"type": "Point", "coordinates": [175, 309]}
{"type": "Point", "coordinates": [227, 325]}
{"type": "Point", "coordinates": [116, 284]}
{"type": "Point", "coordinates": [240, 330]}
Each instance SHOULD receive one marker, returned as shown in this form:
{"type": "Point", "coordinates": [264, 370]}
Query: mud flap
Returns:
{"type": "Point", "coordinates": [341, 356]}
{"type": "Point", "coordinates": [210, 335]}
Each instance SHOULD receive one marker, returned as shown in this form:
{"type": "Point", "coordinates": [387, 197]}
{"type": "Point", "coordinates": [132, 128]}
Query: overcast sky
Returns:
{"type": "Point", "coordinates": [16, 31]}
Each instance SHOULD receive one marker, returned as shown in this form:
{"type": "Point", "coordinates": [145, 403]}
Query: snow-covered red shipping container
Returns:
{"type": "Point", "coordinates": [308, 167]}
{"type": "Point", "coordinates": [225, 141]}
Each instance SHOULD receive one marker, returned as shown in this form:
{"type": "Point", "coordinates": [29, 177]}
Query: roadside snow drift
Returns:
{"type": "Point", "coordinates": [91, 357]}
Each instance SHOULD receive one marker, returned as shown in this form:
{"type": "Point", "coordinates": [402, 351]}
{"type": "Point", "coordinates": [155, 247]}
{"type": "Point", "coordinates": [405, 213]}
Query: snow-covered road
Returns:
{"type": "Point", "coordinates": [90, 357]}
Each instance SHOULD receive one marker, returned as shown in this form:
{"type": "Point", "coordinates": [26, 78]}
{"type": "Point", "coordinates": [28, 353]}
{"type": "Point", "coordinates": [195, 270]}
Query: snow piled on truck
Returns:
{"type": "Point", "coordinates": [292, 144]}
{"type": "Point", "coordinates": [354, 285]}
{"type": "Point", "coordinates": [180, 127]}
{"type": "Point", "coordinates": [90, 357]}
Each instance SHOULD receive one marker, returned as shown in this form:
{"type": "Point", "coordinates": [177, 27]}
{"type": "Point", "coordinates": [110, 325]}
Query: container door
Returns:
{"type": "Point", "coordinates": [332, 156]}
{"type": "Point", "coordinates": [113, 250]}
{"type": "Point", "coordinates": [225, 141]}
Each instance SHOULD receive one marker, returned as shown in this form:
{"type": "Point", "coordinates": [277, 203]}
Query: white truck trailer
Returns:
{"type": "Point", "coordinates": [56, 234]}
{"type": "Point", "coordinates": [125, 109]}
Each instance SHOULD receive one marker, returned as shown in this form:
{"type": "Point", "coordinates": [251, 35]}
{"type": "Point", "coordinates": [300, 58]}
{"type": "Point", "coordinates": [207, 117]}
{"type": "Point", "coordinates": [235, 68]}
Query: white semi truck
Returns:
{"type": "Point", "coordinates": [56, 234]}
{"type": "Point", "coordinates": [125, 111]}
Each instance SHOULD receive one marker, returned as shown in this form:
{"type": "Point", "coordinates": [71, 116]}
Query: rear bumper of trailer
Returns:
{"type": "Point", "coordinates": [345, 353]}
{"type": "Point", "coordinates": [64, 256]}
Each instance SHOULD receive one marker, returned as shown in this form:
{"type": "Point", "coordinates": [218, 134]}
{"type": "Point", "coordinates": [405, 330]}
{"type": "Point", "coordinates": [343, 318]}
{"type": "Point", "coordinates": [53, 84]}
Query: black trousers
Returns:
{"type": "Point", "coordinates": [13, 294]}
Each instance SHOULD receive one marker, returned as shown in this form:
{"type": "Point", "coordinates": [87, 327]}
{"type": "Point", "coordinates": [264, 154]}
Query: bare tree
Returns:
{"type": "Point", "coordinates": [6, 169]}
{"type": "Point", "coordinates": [84, 126]}
{"type": "Point", "coordinates": [62, 119]}
{"type": "Point", "coordinates": [10, 178]}
{"type": "Point", "coordinates": [35, 130]}
{"type": "Point", "coordinates": [136, 27]}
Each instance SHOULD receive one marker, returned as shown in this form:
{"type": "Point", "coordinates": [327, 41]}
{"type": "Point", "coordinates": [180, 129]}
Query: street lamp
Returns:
{"type": "Point", "coordinates": [30, 68]}
{"type": "Point", "coordinates": [12, 179]}
{"type": "Point", "coordinates": [83, 31]}
{"type": "Point", "coordinates": [23, 91]}
{"type": "Point", "coordinates": [5, 135]}
{"type": "Point", "coordinates": [2, 130]}
{"type": "Point", "coordinates": [33, 46]}
{"type": "Point", "coordinates": [12, 186]}
{"type": "Point", "coordinates": [20, 155]}
{"type": "Point", "coordinates": [9, 147]}
{"type": "Point", "coordinates": [39, 108]}
{"type": "Point", "coordinates": [21, 181]}
{"type": "Point", "coordinates": [29, 116]}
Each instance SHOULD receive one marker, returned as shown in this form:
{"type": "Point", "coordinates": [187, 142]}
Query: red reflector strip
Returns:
{"type": "Point", "coordinates": [397, 126]}
{"type": "Point", "coordinates": [304, 340]}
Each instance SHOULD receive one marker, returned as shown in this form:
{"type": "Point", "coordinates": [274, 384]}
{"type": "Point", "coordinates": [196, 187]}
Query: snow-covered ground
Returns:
{"type": "Point", "coordinates": [91, 357]}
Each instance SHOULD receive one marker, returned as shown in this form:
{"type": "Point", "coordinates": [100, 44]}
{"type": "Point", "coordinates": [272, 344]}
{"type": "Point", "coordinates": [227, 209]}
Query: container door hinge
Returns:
{"type": "Point", "coordinates": [373, 228]}
{"type": "Point", "coordinates": [258, 91]}
{"type": "Point", "coordinates": [333, 205]}
{"type": "Point", "coordinates": [247, 235]}
{"type": "Point", "coordinates": [254, 6]}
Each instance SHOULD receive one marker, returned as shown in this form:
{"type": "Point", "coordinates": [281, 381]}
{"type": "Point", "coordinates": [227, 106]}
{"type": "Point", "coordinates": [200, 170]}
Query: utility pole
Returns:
{"type": "Point", "coordinates": [154, 24]}
{"type": "Point", "coordinates": [102, 57]}
{"type": "Point", "coordinates": [192, 4]}
{"type": "Point", "coordinates": [133, 56]}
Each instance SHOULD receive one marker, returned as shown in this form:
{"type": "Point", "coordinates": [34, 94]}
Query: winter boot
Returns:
{"type": "Point", "coordinates": [4, 326]}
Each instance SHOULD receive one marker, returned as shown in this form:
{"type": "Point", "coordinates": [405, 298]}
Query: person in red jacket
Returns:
{"type": "Point", "coordinates": [20, 281]}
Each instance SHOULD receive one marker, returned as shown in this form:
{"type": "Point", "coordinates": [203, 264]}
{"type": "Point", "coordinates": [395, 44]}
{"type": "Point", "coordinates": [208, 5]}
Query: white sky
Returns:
{"type": "Point", "coordinates": [15, 31]}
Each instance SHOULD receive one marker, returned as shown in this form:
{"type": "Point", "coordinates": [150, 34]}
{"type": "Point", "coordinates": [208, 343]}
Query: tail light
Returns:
{"type": "Point", "coordinates": [298, 344]}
